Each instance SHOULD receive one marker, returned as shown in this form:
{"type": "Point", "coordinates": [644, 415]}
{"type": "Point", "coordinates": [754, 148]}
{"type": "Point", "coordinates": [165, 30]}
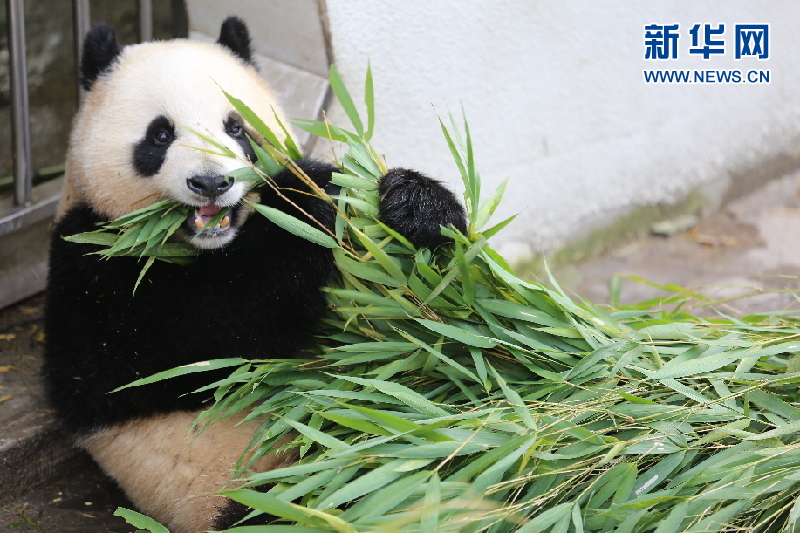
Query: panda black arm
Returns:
{"type": "Point", "coordinates": [411, 203]}
{"type": "Point", "coordinates": [416, 206]}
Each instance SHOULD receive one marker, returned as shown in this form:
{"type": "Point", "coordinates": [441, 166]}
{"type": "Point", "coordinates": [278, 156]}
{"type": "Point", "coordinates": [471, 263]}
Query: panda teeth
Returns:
{"type": "Point", "coordinates": [221, 225]}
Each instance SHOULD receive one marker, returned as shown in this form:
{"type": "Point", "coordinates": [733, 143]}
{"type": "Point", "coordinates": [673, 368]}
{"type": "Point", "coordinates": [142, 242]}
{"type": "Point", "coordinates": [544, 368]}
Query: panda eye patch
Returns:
{"type": "Point", "coordinates": [234, 129]}
{"type": "Point", "coordinates": [160, 131]}
{"type": "Point", "coordinates": [151, 152]}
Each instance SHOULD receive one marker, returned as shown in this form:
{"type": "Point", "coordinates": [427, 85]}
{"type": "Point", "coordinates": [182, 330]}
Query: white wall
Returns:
{"type": "Point", "coordinates": [555, 97]}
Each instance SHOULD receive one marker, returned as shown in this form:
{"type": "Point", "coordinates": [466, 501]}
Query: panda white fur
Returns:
{"type": "Point", "coordinates": [254, 291]}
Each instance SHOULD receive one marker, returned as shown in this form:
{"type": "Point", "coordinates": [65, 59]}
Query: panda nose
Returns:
{"type": "Point", "coordinates": [209, 185]}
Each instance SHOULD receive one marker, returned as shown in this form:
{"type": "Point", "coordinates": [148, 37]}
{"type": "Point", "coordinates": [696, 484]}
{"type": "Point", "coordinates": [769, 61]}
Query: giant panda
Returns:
{"type": "Point", "coordinates": [254, 291]}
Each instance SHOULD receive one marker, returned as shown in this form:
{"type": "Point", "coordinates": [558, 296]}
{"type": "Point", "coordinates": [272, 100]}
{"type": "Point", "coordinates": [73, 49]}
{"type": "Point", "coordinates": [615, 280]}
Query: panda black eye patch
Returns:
{"type": "Point", "coordinates": [234, 128]}
{"type": "Point", "coordinates": [150, 152]}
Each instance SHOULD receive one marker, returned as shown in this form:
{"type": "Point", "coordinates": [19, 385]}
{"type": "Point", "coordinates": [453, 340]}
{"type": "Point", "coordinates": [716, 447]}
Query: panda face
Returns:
{"type": "Point", "coordinates": [170, 155]}
{"type": "Point", "coordinates": [135, 139]}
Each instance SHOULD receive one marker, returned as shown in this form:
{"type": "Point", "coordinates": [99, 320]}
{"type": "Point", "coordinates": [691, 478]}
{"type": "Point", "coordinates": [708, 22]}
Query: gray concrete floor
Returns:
{"type": "Point", "coordinates": [79, 498]}
{"type": "Point", "coordinates": [750, 246]}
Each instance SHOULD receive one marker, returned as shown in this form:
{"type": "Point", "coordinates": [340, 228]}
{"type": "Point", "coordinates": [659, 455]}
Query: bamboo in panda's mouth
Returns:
{"type": "Point", "coordinates": [200, 217]}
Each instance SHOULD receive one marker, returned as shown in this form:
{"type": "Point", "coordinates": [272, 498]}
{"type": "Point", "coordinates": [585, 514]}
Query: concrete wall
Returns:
{"type": "Point", "coordinates": [555, 96]}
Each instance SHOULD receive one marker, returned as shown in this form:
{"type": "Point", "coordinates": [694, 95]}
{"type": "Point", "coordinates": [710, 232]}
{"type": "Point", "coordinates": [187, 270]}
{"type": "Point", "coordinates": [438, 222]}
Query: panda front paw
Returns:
{"type": "Point", "coordinates": [416, 206]}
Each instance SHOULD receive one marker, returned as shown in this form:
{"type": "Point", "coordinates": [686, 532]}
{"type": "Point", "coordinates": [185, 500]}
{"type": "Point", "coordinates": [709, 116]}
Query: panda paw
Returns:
{"type": "Point", "coordinates": [416, 206]}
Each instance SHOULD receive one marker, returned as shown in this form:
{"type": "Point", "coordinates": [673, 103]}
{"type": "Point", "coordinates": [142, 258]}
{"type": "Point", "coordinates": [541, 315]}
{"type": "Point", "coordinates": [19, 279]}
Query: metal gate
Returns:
{"type": "Point", "coordinates": [36, 204]}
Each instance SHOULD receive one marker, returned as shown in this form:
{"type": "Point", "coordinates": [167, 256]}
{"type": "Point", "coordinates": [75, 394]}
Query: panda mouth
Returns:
{"type": "Point", "coordinates": [198, 220]}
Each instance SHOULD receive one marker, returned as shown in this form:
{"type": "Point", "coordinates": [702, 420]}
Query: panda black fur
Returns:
{"type": "Point", "coordinates": [254, 291]}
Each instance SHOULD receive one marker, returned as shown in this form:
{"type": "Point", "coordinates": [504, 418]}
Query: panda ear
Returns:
{"type": "Point", "coordinates": [100, 49]}
{"type": "Point", "coordinates": [234, 36]}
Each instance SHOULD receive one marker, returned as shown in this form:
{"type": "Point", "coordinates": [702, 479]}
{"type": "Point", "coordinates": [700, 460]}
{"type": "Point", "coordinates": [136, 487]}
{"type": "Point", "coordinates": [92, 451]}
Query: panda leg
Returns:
{"type": "Point", "coordinates": [167, 472]}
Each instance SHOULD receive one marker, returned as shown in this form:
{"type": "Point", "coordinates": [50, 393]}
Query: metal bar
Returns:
{"type": "Point", "coordinates": [145, 20]}
{"type": "Point", "coordinates": [81, 21]}
{"type": "Point", "coordinates": [18, 218]}
{"type": "Point", "coordinates": [20, 117]}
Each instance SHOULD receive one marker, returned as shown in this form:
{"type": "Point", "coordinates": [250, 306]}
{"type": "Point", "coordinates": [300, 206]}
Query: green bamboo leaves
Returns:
{"type": "Point", "coordinates": [447, 394]}
{"type": "Point", "coordinates": [464, 398]}
{"type": "Point", "coordinates": [295, 226]}
{"type": "Point", "coordinates": [144, 233]}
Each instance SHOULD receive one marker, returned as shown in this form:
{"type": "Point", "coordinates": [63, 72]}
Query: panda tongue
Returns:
{"type": "Point", "coordinates": [206, 212]}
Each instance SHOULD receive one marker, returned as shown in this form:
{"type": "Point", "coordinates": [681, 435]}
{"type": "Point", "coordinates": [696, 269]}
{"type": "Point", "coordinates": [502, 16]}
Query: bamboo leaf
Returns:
{"type": "Point", "coordinates": [147, 265]}
{"type": "Point", "coordinates": [402, 393]}
{"type": "Point", "coordinates": [488, 207]}
{"type": "Point", "coordinates": [308, 485]}
{"type": "Point", "coordinates": [494, 230]}
{"type": "Point", "coordinates": [544, 520]}
{"type": "Point", "coordinates": [295, 226]}
{"type": "Point", "coordinates": [519, 312]}
{"type": "Point", "coordinates": [387, 420]}
{"type": "Point", "coordinates": [292, 150]}
{"type": "Point", "coordinates": [515, 400]}
{"type": "Point", "coordinates": [324, 130]}
{"type": "Point", "coordinates": [788, 429]}
{"type": "Point", "coordinates": [431, 505]}
{"type": "Point", "coordinates": [297, 470]}
{"type": "Point", "coordinates": [363, 270]}
{"type": "Point", "coordinates": [457, 334]}
{"type": "Point", "coordinates": [388, 263]}
{"type": "Point", "coordinates": [362, 206]}
{"type": "Point", "coordinates": [274, 506]}
{"type": "Point", "coordinates": [363, 426]}
{"type": "Point", "coordinates": [387, 498]}
{"type": "Point", "coordinates": [318, 436]}
{"type": "Point", "coordinates": [353, 182]}
{"type": "Point", "coordinates": [93, 237]}
{"type": "Point", "coordinates": [369, 101]}
{"type": "Point", "coordinates": [141, 521]}
{"type": "Point", "coordinates": [469, 255]}
{"type": "Point", "coordinates": [223, 150]}
{"type": "Point", "coordinates": [362, 156]}
{"type": "Point", "coordinates": [345, 100]}
{"type": "Point", "coordinates": [457, 158]}
{"type": "Point", "coordinates": [202, 366]}
{"type": "Point", "coordinates": [257, 124]}
{"type": "Point", "coordinates": [439, 355]}
{"type": "Point", "coordinates": [364, 484]}
{"type": "Point", "coordinates": [265, 159]}
{"type": "Point", "coordinates": [676, 369]}
{"type": "Point", "coordinates": [467, 285]}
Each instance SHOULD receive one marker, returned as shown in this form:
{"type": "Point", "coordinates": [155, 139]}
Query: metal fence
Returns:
{"type": "Point", "coordinates": [27, 209]}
